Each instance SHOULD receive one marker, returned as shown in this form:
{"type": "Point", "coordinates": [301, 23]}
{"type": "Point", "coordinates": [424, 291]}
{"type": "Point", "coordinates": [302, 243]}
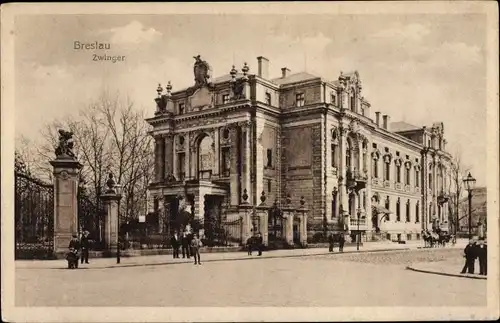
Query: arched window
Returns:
{"type": "Point", "coordinates": [398, 210]}
{"type": "Point", "coordinates": [352, 204]}
{"type": "Point", "coordinates": [364, 200]}
{"type": "Point", "coordinates": [417, 213]}
{"type": "Point", "coordinates": [365, 151]}
{"type": "Point", "coordinates": [430, 181]}
{"type": "Point", "coordinates": [205, 157]}
{"type": "Point", "coordinates": [353, 102]}
{"type": "Point", "coordinates": [407, 175]}
{"type": "Point", "coordinates": [334, 203]}
{"type": "Point", "coordinates": [417, 177]}
{"type": "Point", "coordinates": [387, 169]}
{"type": "Point", "coordinates": [398, 171]}
{"type": "Point", "coordinates": [408, 211]}
{"type": "Point", "coordinates": [430, 212]}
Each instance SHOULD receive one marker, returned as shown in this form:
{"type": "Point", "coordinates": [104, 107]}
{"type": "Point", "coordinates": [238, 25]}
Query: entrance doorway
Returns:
{"type": "Point", "coordinates": [213, 228]}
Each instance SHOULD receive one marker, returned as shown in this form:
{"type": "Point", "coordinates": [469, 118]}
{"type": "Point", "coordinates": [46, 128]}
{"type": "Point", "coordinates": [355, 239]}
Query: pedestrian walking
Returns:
{"type": "Point", "coordinates": [185, 245]}
{"type": "Point", "coordinates": [482, 255]}
{"type": "Point", "coordinates": [330, 242]}
{"type": "Point", "coordinates": [85, 245]}
{"type": "Point", "coordinates": [250, 245]}
{"type": "Point", "coordinates": [341, 242]}
{"type": "Point", "coordinates": [470, 257]}
{"type": "Point", "coordinates": [260, 243]}
{"type": "Point", "coordinates": [175, 242]}
{"type": "Point", "coordinates": [195, 249]}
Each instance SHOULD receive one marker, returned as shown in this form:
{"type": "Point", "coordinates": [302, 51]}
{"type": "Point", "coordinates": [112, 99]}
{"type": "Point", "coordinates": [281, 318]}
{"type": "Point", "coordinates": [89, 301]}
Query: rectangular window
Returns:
{"type": "Point", "coordinates": [334, 155]}
{"type": "Point", "coordinates": [408, 211]}
{"type": "Point", "coordinates": [226, 161]}
{"type": "Point", "coordinates": [387, 206]}
{"type": "Point", "coordinates": [387, 172]}
{"type": "Point", "coordinates": [398, 211]}
{"type": "Point", "coordinates": [269, 186]}
{"type": "Point", "coordinates": [375, 168]}
{"type": "Point", "coordinates": [181, 166]}
{"type": "Point", "coordinates": [300, 99]}
{"type": "Point", "coordinates": [181, 108]}
{"type": "Point", "coordinates": [334, 205]}
{"type": "Point", "coordinates": [334, 99]}
{"type": "Point", "coordinates": [268, 98]}
{"type": "Point", "coordinates": [417, 178]}
{"type": "Point", "coordinates": [398, 174]}
{"type": "Point", "coordinates": [353, 103]}
{"type": "Point", "coordinates": [269, 158]}
{"type": "Point", "coordinates": [407, 176]}
{"type": "Point", "coordinates": [225, 98]}
{"type": "Point", "coordinates": [417, 214]}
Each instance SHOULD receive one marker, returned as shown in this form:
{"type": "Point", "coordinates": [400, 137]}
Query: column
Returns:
{"type": "Point", "coordinates": [187, 149]}
{"type": "Point", "coordinates": [247, 159]}
{"type": "Point", "coordinates": [234, 173]}
{"type": "Point", "coordinates": [65, 202]}
{"type": "Point", "coordinates": [169, 155]}
{"type": "Point", "coordinates": [159, 163]}
{"type": "Point", "coordinates": [343, 198]}
{"type": "Point", "coordinates": [217, 156]}
{"type": "Point", "coordinates": [259, 157]}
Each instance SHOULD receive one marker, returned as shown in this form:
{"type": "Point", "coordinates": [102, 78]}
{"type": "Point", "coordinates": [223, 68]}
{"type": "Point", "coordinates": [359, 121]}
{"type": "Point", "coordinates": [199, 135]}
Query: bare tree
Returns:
{"type": "Point", "coordinates": [458, 171]}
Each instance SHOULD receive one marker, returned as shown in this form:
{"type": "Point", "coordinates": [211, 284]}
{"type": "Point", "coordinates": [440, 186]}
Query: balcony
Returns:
{"type": "Point", "coordinates": [356, 180]}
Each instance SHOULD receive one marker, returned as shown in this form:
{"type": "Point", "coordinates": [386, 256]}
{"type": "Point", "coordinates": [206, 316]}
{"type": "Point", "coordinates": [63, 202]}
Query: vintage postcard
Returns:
{"type": "Point", "coordinates": [291, 161]}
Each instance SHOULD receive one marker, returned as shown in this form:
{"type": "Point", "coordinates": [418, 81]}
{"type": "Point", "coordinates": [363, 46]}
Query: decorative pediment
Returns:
{"type": "Point", "coordinates": [398, 162]}
{"type": "Point", "coordinates": [417, 167]}
{"type": "Point", "coordinates": [376, 154]}
{"type": "Point", "coordinates": [202, 99]}
{"type": "Point", "coordinates": [408, 164]}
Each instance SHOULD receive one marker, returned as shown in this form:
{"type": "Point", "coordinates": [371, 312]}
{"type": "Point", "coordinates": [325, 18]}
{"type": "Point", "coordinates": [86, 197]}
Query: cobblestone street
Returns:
{"type": "Point", "coordinates": [369, 279]}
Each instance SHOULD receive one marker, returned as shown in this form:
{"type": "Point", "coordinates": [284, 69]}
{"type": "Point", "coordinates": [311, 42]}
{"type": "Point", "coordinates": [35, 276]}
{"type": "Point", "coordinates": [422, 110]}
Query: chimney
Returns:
{"type": "Point", "coordinates": [285, 71]}
{"type": "Point", "coordinates": [263, 64]}
{"type": "Point", "coordinates": [386, 120]}
{"type": "Point", "coordinates": [377, 118]}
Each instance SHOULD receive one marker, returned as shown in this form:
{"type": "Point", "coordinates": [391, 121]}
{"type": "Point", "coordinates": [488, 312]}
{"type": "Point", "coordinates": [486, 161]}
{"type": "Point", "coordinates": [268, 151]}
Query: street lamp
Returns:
{"type": "Point", "coordinates": [469, 184]}
{"type": "Point", "coordinates": [359, 232]}
{"type": "Point", "coordinates": [118, 190]}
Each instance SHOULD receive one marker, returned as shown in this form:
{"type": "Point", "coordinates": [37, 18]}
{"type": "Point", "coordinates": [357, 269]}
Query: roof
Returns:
{"type": "Point", "coordinates": [402, 126]}
{"type": "Point", "coordinates": [297, 77]}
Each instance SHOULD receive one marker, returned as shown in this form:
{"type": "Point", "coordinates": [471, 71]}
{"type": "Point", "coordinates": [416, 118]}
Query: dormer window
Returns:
{"type": "Point", "coordinates": [225, 98]}
{"type": "Point", "coordinates": [334, 98]}
{"type": "Point", "coordinates": [181, 108]}
{"type": "Point", "coordinates": [300, 99]}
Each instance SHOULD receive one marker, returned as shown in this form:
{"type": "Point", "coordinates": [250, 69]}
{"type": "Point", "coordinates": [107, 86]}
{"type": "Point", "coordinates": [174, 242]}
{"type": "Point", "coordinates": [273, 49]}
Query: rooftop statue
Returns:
{"type": "Point", "coordinates": [202, 71]}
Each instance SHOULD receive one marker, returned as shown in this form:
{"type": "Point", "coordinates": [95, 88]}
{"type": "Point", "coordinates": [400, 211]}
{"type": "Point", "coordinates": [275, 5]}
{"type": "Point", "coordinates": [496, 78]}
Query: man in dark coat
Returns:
{"type": "Point", "coordinates": [470, 257]}
{"type": "Point", "coordinates": [259, 242]}
{"type": "Point", "coordinates": [74, 243]}
{"type": "Point", "coordinates": [186, 248]}
{"type": "Point", "coordinates": [85, 245]}
{"type": "Point", "coordinates": [330, 242]}
{"type": "Point", "coordinates": [341, 242]}
{"type": "Point", "coordinates": [482, 254]}
{"type": "Point", "coordinates": [175, 242]}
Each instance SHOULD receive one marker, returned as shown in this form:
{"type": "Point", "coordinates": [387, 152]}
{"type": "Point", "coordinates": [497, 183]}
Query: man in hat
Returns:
{"type": "Point", "coordinates": [482, 254]}
{"type": "Point", "coordinates": [85, 245]}
{"type": "Point", "coordinates": [175, 241]}
{"type": "Point", "coordinates": [470, 257]}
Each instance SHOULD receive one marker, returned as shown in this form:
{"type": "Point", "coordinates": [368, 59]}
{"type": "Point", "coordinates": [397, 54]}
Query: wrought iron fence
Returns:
{"type": "Point", "coordinates": [91, 219]}
{"type": "Point", "coordinates": [34, 217]}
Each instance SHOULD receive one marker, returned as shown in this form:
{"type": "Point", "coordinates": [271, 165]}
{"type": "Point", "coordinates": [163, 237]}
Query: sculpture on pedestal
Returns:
{"type": "Point", "coordinates": [65, 147]}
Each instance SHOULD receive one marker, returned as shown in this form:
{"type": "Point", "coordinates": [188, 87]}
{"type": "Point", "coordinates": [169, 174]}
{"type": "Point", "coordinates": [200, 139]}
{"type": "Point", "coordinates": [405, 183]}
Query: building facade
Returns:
{"type": "Point", "coordinates": [226, 144]}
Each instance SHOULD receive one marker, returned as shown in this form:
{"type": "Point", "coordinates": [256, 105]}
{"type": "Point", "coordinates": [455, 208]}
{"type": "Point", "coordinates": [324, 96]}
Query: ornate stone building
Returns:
{"type": "Point", "coordinates": [225, 142]}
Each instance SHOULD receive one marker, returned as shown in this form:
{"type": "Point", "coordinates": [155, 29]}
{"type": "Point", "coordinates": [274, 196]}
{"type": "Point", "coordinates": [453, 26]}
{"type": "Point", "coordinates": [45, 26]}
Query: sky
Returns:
{"type": "Point", "coordinates": [419, 68]}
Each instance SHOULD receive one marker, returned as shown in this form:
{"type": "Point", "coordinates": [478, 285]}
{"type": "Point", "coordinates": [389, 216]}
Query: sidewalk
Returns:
{"type": "Point", "coordinates": [445, 268]}
{"type": "Point", "coordinates": [99, 263]}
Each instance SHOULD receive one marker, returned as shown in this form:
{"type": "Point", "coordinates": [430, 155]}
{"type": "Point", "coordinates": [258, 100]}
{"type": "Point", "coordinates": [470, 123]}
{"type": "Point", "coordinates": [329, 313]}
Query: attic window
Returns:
{"type": "Point", "coordinates": [181, 108]}
{"type": "Point", "coordinates": [268, 98]}
{"type": "Point", "coordinates": [225, 98]}
{"type": "Point", "coordinates": [300, 99]}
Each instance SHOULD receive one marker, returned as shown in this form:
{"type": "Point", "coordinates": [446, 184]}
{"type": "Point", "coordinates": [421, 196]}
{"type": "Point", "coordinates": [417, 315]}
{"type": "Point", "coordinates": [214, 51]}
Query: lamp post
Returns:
{"type": "Point", "coordinates": [359, 232]}
{"type": "Point", "coordinates": [469, 184]}
{"type": "Point", "coordinates": [118, 190]}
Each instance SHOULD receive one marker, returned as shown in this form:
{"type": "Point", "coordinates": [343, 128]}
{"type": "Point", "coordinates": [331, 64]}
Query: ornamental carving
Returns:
{"type": "Point", "coordinates": [376, 154]}
{"type": "Point", "coordinates": [408, 164]}
{"type": "Point", "coordinates": [180, 143]}
{"type": "Point", "coordinates": [387, 158]}
{"type": "Point", "coordinates": [397, 161]}
{"type": "Point", "coordinates": [238, 89]}
{"type": "Point", "coordinates": [202, 72]}
{"type": "Point", "coordinates": [225, 136]}
{"type": "Point", "coordinates": [354, 127]}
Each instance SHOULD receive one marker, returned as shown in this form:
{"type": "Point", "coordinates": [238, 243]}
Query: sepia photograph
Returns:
{"type": "Point", "coordinates": [250, 161]}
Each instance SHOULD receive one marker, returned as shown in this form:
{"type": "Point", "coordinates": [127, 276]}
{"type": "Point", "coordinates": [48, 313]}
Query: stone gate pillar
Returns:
{"type": "Point", "coordinates": [245, 211]}
{"type": "Point", "coordinates": [110, 200]}
{"type": "Point", "coordinates": [288, 213]}
{"type": "Point", "coordinates": [66, 170]}
{"type": "Point", "coordinates": [262, 210]}
{"type": "Point", "coordinates": [302, 213]}
{"type": "Point", "coordinates": [66, 177]}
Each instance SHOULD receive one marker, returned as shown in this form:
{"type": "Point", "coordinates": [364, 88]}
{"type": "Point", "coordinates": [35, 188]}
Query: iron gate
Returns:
{"type": "Point", "coordinates": [34, 217]}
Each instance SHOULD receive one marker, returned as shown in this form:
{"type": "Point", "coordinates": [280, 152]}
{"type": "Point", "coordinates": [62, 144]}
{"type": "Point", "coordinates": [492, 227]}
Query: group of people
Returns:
{"type": "Point", "coordinates": [189, 244]}
{"type": "Point", "coordinates": [81, 246]}
{"type": "Point", "coordinates": [255, 242]}
{"type": "Point", "coordinates": [331, 242]}
{"type": "Point", "coordinates": [476, 250]}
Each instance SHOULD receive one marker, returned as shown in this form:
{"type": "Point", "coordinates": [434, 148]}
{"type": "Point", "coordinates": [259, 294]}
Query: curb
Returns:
{"type": "Point", "coordinates": [233, 259]}
{"type": "Point", "coordinates": [426, 271]}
